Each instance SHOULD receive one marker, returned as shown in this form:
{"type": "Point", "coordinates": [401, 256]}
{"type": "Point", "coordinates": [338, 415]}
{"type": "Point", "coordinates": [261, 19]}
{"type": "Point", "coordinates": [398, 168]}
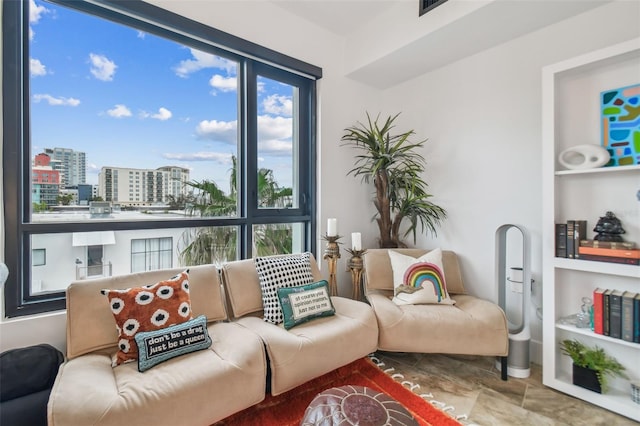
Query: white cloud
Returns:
{"type": "Point", "coordinates": [278, 105]}
{"type": "Point", "coordinates": [274, 128]}
{"type": "Point", "coordinates": [274, 133]}
{"type": "Point", "coordinates": [37, 68]}
{"type": "Point", "coordinates": [102, 67]}
{"type": "Point", "coordinates": [224, 84]}
{"type": "Point", "coordinates": [223, 131]}
{"type": "Point", "coordinates": [142, 34]}
{"type": "Point", "coordinates": [119, 111]}
{"type": "Point", "coordinates": [36, 12]}
{"type": "Point", "coordinates": [163, 114]}
{"type": "Point", "coordinates": [218, 157]}
{"type": "Point", "coordinates": [201, 60]}
{"type": "Point", "coordinates": [56, 101]}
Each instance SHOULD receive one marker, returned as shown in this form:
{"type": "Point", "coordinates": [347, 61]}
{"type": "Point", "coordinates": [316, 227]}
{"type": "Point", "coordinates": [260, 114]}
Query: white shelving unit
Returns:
{"type": "Point", "coordinates": [571, 116]}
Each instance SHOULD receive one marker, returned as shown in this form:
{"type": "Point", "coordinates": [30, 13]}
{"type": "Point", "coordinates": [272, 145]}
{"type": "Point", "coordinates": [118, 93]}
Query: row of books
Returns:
{"type": "Point", "coordinates": [568, 236]}
{"type": "Point", "coordinates": [617, 314]}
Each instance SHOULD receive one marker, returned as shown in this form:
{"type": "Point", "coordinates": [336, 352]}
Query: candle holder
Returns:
{"type": "Point", "coordinates": [356, 265]}
{"type": "Point", "coordinates": [331, 255]}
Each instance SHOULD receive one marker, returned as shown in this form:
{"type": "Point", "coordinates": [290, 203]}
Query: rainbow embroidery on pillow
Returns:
{"type": "Point", "coordinates": [426, 275]}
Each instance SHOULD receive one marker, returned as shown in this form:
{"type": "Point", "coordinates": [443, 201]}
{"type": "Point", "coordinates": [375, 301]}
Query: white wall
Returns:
{"type": "Point", "coordinates": [481, 115]}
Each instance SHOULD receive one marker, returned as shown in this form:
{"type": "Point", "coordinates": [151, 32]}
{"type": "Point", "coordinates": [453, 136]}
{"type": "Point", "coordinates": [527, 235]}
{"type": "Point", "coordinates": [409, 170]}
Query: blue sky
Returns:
{"type": "Point", "coordinates": [132, 99]}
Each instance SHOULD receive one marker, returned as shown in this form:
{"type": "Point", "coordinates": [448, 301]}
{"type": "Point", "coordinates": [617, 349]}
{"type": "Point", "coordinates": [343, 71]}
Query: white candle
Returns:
{"type": "Point", "coordinates": [356, 241]}
{"type": "Point", "coordinates": [332, 227]}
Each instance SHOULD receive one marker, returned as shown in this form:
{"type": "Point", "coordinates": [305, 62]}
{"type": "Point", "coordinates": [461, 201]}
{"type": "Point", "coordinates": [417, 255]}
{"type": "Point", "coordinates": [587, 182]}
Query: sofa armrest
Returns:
{"type": "Point", "coordinates": [89, 381]}
{"type": "Point", "coordinates": [387, 312]}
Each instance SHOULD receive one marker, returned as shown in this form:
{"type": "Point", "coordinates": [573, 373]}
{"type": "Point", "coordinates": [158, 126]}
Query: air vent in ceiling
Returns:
{"type": "Point", "coordinates": [427, 5]}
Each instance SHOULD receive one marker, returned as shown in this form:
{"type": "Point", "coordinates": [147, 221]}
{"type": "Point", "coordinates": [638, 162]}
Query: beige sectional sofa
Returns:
{"type": "Point", "coordinates": [202, 387]}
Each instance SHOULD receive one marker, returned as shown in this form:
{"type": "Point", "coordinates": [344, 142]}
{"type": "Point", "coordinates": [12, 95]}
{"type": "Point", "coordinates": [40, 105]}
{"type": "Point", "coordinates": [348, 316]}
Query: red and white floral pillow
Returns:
{"type": "Point", "coordinates": [148, 308]}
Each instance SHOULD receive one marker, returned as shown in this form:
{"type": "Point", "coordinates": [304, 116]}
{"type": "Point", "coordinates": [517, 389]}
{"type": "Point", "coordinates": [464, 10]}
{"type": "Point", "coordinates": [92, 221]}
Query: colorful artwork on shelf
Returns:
{"type": "Point", "coordinates": [621, 124]}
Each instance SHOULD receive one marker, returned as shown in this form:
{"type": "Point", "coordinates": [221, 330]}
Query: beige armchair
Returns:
{"type": "Point", "coordinates": [471, 326]}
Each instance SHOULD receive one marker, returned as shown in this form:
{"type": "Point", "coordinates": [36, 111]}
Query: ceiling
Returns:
{"type": "Point", "coordinates": [432, 44]}
{"type": "Point", "coordinates": [338, 16]}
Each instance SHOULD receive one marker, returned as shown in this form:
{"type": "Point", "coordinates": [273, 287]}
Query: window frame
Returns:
{"type": "Point", "coordinates": [146, 251]}
{"type": "Point", "coordinates": [16, 145]}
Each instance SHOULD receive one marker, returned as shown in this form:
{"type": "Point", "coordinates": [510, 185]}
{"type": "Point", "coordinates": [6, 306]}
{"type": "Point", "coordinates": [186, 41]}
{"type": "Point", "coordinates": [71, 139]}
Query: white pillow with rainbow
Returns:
{"type": "Point", "coordinates": [419, 280]}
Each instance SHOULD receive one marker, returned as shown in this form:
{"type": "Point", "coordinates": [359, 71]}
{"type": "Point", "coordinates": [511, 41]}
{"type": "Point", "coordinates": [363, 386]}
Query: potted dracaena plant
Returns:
{"type": "Point", "coordinates": [395, 166]}
{"type": "Point", "coordinates": [591, 366]}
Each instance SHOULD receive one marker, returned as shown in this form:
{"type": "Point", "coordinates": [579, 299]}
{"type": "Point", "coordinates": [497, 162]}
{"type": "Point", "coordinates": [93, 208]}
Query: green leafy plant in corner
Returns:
{"type": "Point", "coordinates": [594, 359]}
{"type": "Point", "coordinates": [394, 163]}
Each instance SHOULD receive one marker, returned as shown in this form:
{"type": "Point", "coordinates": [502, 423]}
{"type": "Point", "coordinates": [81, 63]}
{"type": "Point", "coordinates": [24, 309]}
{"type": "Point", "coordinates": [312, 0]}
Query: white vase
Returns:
{"type": "Point", "coordinates": [584, 157]}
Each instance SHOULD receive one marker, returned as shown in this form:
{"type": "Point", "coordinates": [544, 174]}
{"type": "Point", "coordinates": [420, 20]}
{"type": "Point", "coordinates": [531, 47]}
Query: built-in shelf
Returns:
{"type": "Point", "coordinates": [608, 268]}
{"type": "Point", "coordinates": [589, 333]}
{"type": "Point", "coordinates": [618, 169]}
{"type": "Point", "coordinates": [570, 112]}
{"type": "Point", "coordinates": [617, 400]}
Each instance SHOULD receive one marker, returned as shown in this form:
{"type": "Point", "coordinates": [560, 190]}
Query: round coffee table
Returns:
{"type": "Point", "coordinates": [356, 405]}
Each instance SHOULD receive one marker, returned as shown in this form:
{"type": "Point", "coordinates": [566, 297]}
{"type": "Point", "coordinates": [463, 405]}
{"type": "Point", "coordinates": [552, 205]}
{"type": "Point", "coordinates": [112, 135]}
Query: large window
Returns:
{"type": "Point", "coordinates": [123, 122]}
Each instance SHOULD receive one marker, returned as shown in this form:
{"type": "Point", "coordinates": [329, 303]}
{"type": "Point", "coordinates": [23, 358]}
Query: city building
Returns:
{"type": "Point", "coordinates": [141, 187]}
{"type": "Point", "coordinates": [71, 164]}
{"type": "Point", "coordinates": [45, 180]}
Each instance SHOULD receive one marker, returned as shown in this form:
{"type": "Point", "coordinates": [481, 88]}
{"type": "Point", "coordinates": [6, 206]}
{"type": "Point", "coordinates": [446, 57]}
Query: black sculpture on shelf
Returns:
{"type": "Point", "coordinates": [609, 228]}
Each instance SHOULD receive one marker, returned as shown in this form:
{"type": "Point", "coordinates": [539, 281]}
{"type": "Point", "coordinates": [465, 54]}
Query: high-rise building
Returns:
{"type": "Point", "coordinates": [142, 187]}
{"type": "Point", "coordinates": [71, 164]}
{"type": "Point", "coordinates": [45, 181]}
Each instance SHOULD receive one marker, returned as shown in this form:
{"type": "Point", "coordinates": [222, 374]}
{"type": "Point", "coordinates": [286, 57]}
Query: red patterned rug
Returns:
{"type": "Point", "coordinates": [288, 409]}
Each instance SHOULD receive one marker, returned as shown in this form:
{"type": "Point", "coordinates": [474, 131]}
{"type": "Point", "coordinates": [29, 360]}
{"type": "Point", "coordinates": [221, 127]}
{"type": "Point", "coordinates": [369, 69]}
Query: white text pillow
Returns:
{"type": "Point", "coordinates": [419, 280]}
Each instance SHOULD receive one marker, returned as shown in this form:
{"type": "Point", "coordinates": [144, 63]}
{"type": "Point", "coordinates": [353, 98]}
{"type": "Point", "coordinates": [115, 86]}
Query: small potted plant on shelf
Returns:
{"type": "Point", "coordinates": [591, 366]}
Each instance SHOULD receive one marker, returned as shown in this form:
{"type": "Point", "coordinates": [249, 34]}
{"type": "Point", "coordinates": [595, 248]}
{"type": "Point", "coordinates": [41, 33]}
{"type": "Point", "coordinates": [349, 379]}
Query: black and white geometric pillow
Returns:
{"type": "Point", "coordinates": [277, 272]}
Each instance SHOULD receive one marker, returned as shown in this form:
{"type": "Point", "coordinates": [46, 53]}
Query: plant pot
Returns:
{"type": "Point", "coordinates": [586, 378]}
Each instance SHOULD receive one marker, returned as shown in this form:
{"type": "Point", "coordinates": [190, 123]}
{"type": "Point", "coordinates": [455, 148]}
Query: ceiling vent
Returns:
{"type": "Point", "coordinates": [427, 5]}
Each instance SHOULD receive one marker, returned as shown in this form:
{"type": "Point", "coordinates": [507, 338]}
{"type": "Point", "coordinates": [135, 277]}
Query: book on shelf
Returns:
{"type": "Point", "coordinates": [570, 239]}
{"type": "Point", "coordinates": [598, 307]}
{"type": "Point", "coordinates": [606, 311]}
{"type": "Point", "coordinates": [636, 318]}
{"type": "Point", "coordinates": [598, 251]}
{"type": "Point", "coordinates": [579, 232]}
{"type": "Point", "coordinates": [615, 314]}
{"type": "Point", "coordinates": [561, 240]}
{"type": "Point", "coordinates": [626, 245]}
{"type": "Point", "coordinates": [627, 315]}
{"type": "Point", "coordinates": [610, 259]}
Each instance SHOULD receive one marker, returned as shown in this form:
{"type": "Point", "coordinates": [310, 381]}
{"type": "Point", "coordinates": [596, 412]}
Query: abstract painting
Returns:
{"type": "Point", "coordinates": [620, 110]}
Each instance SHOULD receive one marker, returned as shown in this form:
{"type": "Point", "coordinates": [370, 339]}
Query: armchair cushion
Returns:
{"type": "Point", "coordinates": [419, 280]}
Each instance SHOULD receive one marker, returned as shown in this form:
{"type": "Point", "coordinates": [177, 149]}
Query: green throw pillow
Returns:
{"type": "Point", "coordinates": [161, 345]}
{"type": "Point", "coordinates": [304, 303]}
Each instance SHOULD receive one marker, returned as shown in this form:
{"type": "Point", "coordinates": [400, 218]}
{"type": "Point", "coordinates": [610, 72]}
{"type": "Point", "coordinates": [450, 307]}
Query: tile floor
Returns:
{"type": "Point", "coordinates": [470, 387]}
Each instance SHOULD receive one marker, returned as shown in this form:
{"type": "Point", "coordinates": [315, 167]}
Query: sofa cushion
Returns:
{"type": "Point", "coordinates": [277, 272]}
{"type": "Point", "coordinates": [161, 345]}
{"type": "Point", "coordinates": [198, 389]}
{"type": "Point", "coordinates": [316, 347]}
{"type": "Point", "coordinates": [419, 280]}
{"type": "Point", "coordinates": [147, 308]}
{"type": "Point", "coordinates": [304, 303]}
